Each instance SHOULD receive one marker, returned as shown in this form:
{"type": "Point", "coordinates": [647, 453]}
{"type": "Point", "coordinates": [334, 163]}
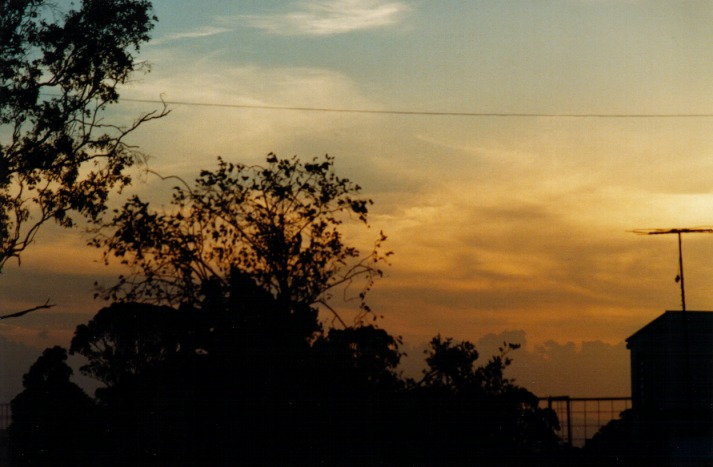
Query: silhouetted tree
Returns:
{"type": "Point", "coordinates": [352, 417]}
{"type": "Point", "coordinates": [51, 417]}
{"type": "Point", "coordinates": [360, 356]}
{"type": "Point", "coordinates": [242, 371]}
{"type": "Point", "coordinates": [473, 414]}
{"type": "Point", "coordinates": [450, 365]}
{"type": "Point", "coordinates": [59, 71]}
{"type": "Point", "coordinates": [124, 341]}
{"type": "Point", "coordinates": [274, 380]}
{"type": "Point", "coordinates": [147, 356]}
{"type": "Point", "coordinates": [240, 380]}
{"type": "Point", "coordinates": [197, 383]}
{"type": "Point", "coordinates": [279, 224]}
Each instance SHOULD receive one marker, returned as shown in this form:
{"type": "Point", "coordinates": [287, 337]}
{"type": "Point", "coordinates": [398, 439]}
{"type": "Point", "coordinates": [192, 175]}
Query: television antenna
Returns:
{"type": "Point", "coordinates": [677, 231]}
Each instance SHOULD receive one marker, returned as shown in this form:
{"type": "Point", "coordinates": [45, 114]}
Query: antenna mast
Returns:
{"type": "Point", "coordinates": [677, 231]}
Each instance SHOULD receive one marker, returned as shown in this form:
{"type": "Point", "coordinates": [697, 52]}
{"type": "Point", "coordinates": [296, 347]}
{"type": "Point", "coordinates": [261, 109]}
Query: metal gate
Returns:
{"type": "Point", "coordinates": [581, 417]}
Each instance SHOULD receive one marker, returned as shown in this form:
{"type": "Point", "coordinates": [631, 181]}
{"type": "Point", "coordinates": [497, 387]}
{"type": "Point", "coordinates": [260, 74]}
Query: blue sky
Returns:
{"type": "Point", "coordinates": [499, 224]}
{"type": "Point", "coordinates": [469, 56]}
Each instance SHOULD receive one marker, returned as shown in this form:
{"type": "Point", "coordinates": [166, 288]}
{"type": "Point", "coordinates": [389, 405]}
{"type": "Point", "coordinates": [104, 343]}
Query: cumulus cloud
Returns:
{"type": "Point", "coordinates": [322, 18]}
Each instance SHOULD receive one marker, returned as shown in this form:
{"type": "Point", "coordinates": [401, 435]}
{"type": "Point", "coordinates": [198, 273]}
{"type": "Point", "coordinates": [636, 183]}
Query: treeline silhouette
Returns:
{"type": "Point", "coordinates": [244, 380]}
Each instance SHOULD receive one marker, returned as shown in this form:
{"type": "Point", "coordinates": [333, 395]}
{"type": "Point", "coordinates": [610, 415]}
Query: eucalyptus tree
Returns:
{"type": "Point", "coordinates": [280, 224]}
{"type": "Point", "coordinates": [60, 73]}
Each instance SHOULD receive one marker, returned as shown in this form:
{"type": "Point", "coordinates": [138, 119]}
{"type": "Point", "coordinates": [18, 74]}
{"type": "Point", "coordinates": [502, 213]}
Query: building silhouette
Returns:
{"type": "Point", "coordinates": [672, 386]}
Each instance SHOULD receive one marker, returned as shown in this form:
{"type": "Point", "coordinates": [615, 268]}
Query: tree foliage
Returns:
{"type": "Point", "coordinates": [51, 416]}
{"type": "Point", "coordinates": [59, 73]}
{"type": "Point", "coordinates": [125, 341]}
{"type": "Point", "coordinates": [450, 365]}
{"type": "Point", "coordinates": [279, 224]}
{"type": "Point", "coordinates": [475, 411]}
{"type": "Point", "coordinates": [364, 357]}
{"type": "Point", "coordinates": [238, 381]}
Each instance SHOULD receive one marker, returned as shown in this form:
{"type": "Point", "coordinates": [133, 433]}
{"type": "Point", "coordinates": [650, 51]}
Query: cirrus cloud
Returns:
{"type": "Point", "coordinates": [322, 18]}
{"type": "Point", "coordinates": [202, 32]}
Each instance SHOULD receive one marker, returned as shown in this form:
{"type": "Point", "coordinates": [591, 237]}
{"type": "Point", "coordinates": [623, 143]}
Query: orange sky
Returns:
{"type": "Point", "coordinates": [498, 224]}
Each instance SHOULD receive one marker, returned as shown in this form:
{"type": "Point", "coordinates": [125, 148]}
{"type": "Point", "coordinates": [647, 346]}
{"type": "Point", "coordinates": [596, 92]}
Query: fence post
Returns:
{"type": "Point", "coordinates": [569, 421]}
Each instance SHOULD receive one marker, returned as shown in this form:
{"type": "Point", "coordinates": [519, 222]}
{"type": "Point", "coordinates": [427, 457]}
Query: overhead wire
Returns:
{"type": "Point", "coordinates": [421, 112]}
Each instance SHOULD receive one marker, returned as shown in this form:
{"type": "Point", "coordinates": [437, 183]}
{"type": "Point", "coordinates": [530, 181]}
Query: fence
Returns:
{"type": "Point", "coordinates": [581, 417]}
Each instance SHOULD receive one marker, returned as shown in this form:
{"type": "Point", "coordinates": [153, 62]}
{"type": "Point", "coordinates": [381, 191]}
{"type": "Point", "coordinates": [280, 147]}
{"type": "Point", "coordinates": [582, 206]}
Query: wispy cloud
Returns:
{"type": "Point", "coordinates": [321, 18]}
{"type": "Point", "coordinates": [205, 31]}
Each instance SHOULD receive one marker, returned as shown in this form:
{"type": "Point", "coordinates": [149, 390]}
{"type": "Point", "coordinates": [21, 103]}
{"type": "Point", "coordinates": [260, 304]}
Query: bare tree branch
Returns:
{"type": "Point", "coordinates": [46, 305]}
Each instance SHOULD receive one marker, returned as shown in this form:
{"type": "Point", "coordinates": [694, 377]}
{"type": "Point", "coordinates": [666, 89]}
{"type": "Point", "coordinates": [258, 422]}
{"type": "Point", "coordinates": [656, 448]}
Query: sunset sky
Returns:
{"type": "Point", "coordinates": [580, 120]}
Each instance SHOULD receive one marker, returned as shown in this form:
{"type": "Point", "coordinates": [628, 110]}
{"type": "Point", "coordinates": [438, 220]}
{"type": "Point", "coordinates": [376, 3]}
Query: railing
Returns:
{"type": "Point", "coordinates": [581, 417]}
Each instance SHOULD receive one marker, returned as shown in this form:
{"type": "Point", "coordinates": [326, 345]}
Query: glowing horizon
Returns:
{"type": "Point", "coordinates": [497, 224]}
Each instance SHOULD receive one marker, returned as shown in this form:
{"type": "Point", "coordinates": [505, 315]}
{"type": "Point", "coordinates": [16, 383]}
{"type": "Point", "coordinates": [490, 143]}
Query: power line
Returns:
{"type": "Point", "coordinates": [418, 112]}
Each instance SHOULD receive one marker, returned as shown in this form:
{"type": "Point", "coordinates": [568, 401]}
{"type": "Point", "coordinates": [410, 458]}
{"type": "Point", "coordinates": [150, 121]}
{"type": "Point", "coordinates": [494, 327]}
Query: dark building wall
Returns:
{"type": "Point", "coordinates": [672, 363]}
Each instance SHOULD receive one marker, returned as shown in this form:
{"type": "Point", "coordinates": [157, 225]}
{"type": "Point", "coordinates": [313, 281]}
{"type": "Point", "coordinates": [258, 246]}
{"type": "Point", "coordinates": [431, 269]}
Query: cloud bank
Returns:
{"type": "Point", "coordinates": [584, 369]}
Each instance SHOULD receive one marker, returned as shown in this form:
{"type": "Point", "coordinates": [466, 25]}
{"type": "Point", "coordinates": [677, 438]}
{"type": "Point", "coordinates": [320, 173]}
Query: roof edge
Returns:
{"type": "Point", "coordinates": [662, 317]}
